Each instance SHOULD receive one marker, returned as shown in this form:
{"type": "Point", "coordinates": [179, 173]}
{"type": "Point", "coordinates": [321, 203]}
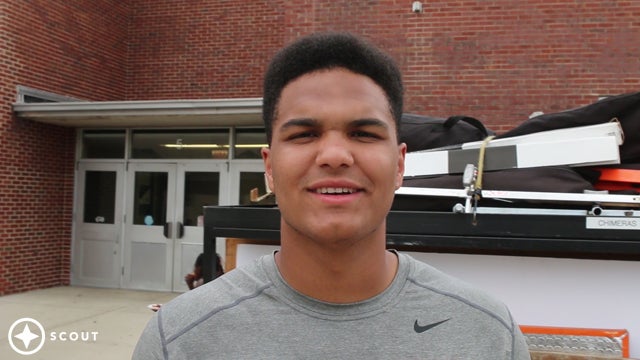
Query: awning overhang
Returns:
{"type": "Point", "coordinates": [149, 114]}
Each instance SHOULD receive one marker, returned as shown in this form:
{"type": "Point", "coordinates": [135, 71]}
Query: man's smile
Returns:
{"type": "Point", "coordinates": [334, 190]}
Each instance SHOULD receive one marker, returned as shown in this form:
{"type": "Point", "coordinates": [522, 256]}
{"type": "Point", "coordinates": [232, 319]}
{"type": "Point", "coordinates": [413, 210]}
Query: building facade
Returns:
{"type": "Point", "coordinates": [89, 88]}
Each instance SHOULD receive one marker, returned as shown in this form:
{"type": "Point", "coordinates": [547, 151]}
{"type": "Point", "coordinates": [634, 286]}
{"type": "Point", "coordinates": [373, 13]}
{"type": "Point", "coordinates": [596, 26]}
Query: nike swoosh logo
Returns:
{"type": "Point", "coordinates": [420, 329]}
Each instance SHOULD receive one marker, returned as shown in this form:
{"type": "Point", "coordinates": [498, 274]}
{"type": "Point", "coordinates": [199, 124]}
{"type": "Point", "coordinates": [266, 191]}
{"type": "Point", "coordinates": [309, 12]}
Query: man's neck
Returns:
{"type": "Point", "coordinates": [337, 275]}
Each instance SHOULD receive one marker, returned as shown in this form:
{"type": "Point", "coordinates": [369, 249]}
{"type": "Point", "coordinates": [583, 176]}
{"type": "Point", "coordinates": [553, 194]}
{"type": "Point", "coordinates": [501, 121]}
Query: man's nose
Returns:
{"type": "Point", "coordinates": [334, 151]}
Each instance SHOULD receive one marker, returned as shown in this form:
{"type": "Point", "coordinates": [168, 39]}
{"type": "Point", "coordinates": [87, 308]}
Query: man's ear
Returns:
{"type": "Point", "coordinates": [402, 152]}
{"type": "Point", "coordinates": [266, 158]}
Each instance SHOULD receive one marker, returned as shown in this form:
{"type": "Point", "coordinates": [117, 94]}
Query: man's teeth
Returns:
{"type": "Point", "coordinates": [333, 190]}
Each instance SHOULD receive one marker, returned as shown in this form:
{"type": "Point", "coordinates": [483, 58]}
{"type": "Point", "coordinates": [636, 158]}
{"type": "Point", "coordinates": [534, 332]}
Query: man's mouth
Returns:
{"type": "Point", "coordinates": [335, 190]}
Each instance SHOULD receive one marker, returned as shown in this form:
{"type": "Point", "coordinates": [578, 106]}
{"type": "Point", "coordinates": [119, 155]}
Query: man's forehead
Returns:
{"type": "Point", "coordinates": [358, 92]}
{"type": "Point", "coordinates": [314, 122]}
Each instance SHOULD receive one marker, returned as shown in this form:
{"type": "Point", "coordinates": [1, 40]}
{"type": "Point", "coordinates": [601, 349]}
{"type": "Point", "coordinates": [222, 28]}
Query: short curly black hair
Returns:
{"type": "Point", "coordinates": [327, 50]}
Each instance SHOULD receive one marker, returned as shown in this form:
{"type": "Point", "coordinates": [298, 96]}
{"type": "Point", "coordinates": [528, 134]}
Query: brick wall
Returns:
{"type": "Point", "coordinates": [501, 60]}
{"type": "Point", "coordinates": [498, 61]}
{"type": "Point", "coordinates": [76, 49]}
{"type": "Point", "coordinates": [201, 49]}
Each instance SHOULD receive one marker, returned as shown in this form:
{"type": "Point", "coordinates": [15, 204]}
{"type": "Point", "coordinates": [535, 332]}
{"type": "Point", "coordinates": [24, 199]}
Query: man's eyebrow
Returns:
{"type": "Point", "coordinates": [310, 122]}
{"type": "Point", "coordinates": [303, 122]}
{"type": "Point", "coordinates": [369, 122]}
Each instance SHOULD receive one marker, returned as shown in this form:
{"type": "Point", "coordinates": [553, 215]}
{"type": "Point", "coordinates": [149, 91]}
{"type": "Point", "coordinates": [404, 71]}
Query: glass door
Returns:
{"type": "Point", "coordinates": [149, 226]}
{"type": "Point", "coordinates": [198, 185]}
{"type": "Point", "coordinates": [96, 254]}
{"type": "Point", "coordinates": [247, 176]}
{"type": "Point", "coordinates": [163, 230]}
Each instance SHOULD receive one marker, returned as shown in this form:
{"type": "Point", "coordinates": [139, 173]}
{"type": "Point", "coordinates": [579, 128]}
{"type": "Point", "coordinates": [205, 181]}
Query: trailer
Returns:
{"type": "Point", "coordinates": [558, 268]}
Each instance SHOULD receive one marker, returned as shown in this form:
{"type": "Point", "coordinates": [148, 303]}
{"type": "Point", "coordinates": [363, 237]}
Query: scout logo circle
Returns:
{"type": "Point", "coordinates": [26, 336]}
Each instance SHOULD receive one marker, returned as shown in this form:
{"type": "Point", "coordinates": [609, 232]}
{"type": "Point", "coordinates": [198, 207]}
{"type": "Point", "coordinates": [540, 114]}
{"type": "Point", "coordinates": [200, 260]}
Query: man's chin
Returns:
{"type": "Point", "coordinates": [336, 230]}
{"type": "Point", "coordinates": [340, 235]}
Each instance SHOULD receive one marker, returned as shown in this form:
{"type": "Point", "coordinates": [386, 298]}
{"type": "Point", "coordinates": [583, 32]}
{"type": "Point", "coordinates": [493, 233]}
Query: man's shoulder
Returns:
{"type": "Point", "coordinates": [206, 301]}
{"type": "Point", "coordinates": [430, 279]}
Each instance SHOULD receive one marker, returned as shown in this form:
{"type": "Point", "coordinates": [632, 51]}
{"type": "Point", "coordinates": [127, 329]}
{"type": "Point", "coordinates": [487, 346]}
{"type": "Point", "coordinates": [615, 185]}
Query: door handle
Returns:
{"type": "Point", "coordinates": [166, 230]}
{"type": "Point", "coordinates": [180, 230]}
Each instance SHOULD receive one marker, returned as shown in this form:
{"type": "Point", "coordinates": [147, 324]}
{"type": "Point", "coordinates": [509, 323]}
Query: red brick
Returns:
{"type": "Point", "coordinates": [497, 61]}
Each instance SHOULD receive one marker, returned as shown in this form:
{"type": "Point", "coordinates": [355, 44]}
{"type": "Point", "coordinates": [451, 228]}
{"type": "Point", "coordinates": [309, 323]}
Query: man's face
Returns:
{"type": "Point", "coordinates": [334, 162]}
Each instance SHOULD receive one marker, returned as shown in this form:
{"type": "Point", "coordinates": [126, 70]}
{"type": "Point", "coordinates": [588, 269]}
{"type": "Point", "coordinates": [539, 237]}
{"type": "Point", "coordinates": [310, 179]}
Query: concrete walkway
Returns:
{"type": "Point", "coordinates": [79, 322]}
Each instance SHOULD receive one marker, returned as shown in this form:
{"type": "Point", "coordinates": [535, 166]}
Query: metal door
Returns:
{"type": "Point", "coordinates": [163, 227]}
{"type": "Point", "coordinates": [97, 249]}
{"type": "Point", "coordinates": [198, 185]}
{"type": "Point", "coordinates": [149, 227]}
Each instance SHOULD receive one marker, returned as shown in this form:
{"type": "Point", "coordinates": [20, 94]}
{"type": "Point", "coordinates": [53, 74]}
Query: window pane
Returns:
{"type": "Point", "coordinates": [172, 144]}
{"type": "Point", "coordinates": [103, 144]}
{"type": "Point", "coordinates": [253, 180]}
{"type": "Point", "coordinates": [150, 198]}
{"type": "Point", "coordinates": [200, 189]}
{"type": "Point", "coordinates": [249, 142]}
{"type": "Point", "coordinates": [99, 197]}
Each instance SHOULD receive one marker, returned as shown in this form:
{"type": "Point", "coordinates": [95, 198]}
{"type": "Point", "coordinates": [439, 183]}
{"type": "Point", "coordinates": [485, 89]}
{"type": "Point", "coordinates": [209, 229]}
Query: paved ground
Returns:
{"type": "Point", "coordinates": [109, 319]}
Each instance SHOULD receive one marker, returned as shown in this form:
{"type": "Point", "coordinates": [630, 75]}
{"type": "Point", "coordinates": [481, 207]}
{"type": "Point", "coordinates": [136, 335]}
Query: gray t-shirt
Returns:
{"type": "Point", "coordinates": [251, 313]}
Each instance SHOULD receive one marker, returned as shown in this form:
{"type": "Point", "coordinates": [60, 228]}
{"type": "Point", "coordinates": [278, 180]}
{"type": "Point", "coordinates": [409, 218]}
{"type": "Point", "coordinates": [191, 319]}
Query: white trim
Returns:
{"type": "Point", "coordinates": [153, 113]}
{"type": "Point", "coordinates": [22, 91]}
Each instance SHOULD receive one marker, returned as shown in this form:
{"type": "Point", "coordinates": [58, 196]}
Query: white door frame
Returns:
{"type": "Point", "coordinates": [189, 245]}
{"type": "Point", "coordinates": [235, 170]}
{"type": "Point", "coordinates": [148, 249]}
{"type": "Point", "coordinates": [233, 192]}
{"type": "Point", "coordinates": [179, 254]}
{"type": "Point", "coordinates": [96, 257]}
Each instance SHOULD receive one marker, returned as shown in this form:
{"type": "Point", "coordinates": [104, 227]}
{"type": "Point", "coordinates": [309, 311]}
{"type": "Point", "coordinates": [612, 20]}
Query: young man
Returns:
{"type": "Point", "coordinates": [332, 105]}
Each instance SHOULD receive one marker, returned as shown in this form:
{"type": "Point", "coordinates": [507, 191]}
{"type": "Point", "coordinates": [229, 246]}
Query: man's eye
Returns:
{"type": "Point", "coordinates": [302, 135]}
{"type": "Point", "coordinates": [364, 134]}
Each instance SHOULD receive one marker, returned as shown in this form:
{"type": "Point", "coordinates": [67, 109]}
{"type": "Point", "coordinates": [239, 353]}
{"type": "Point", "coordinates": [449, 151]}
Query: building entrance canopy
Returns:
{"type": "Point", "coordinates": [156, 113]}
